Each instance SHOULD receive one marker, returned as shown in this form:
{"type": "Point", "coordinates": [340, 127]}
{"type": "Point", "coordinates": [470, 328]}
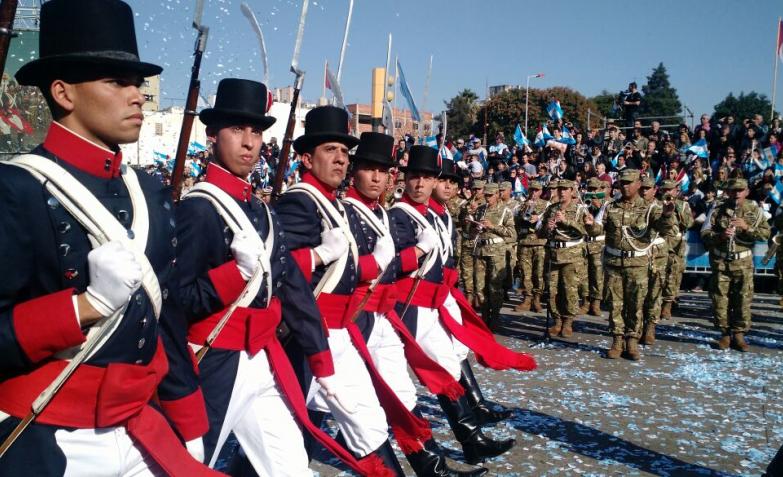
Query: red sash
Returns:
{"type": "Point", "coordinates": [410, 431]}
{"type": "Point", "coordinates": [96, 397]}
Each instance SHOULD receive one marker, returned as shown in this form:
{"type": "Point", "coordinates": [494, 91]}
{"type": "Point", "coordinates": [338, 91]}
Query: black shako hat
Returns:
{"type": "Point", "coordinates": [240, 101]}
{"type": "Point", "coordinates": [325, 124]}
{"type": "Point", "coordinates": [423, 159]}
{"type": "Point", "coordinates": [448, 170]}
{"type": "Point", "coordinates": [97, 33]}
{"type": "Point", "coordinates": [375, 147]}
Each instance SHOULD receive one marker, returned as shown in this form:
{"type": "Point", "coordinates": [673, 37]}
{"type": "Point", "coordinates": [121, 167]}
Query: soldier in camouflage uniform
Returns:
{"type": "Point", "coordinates": [595, 248]}
{"type": "Point", "coordinates": [777, 239]}
{"type": "Point", "coordinates": [564, 225]}
{"type": "Point", "coordinates": [511, 243]}
{"type": "Point", "coordinates": [530, 249]}
{"type": "Point", "coordinates": [729, 233]}
{"type": "Point", "coordinates": [496, 227]}
{"type": "Point", "coordinates": [675, 266]}
{"type": "Point", "coordinates": [467, 223]}
{"type": "Point", "coordinates": [453, 206]}
{"type": "Point", "coordinates": [628, 224]}
{"type": "Point", "coordinates": [658, 257]}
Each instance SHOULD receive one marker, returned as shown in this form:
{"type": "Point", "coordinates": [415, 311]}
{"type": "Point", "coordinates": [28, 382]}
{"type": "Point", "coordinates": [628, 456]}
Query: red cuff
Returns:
{"type": "Point", "coordinates": [47, 325]}
{"type": "Point", "coordinates": [321, 364]}
{"type": "Point", "coordinates": [228, 282]}
{"type": "Point", "coordinates": [408, 260]}
{"type": "Point", "coordinates": [368, 268]}
{"type": "Point", "coordinates": [304, 258]}
{"type": "Point", "coordinates": [188, 414]}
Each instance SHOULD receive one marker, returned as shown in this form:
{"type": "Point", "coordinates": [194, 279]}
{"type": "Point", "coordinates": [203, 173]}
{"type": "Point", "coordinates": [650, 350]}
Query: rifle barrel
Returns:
{"type": "Point", "coordinates": [285, 151]}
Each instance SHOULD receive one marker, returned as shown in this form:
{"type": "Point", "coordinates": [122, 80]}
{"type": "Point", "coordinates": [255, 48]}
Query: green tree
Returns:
{"type": "Point", "coordinates": [605, 102]}
{"type": "Point", "coordinates": [744, 106]}
{"type": "Point", "coordinates": [659, 97]}
{"type": "Point", "coordinates": [461, 113]}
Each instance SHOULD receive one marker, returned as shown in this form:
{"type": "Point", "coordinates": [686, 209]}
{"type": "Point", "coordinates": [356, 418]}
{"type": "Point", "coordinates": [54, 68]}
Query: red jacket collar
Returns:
{"type": "Point", "coordinates": [229, 183]}
{"type": "Point", "coordinates": [82, 153]}
{"type": "Point", "coordinates": [437, 207]}
{"type": "Point", "coordinates": [329, 192]}
{"type": "Point", "coordinates": [354, 194]}
{"type": "Point", "coordinates": [421, 208]}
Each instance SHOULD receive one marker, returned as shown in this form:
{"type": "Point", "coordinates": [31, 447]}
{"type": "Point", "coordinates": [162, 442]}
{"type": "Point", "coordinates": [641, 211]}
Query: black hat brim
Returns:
{"type": "Point", "coordinates": [453, 177]}
{"type": "Point", "coordinates": [36, 71]}
{"type": "Point", "coordinates": [210, 116]}
{"type": "Point", "coordinates": [308, 142]}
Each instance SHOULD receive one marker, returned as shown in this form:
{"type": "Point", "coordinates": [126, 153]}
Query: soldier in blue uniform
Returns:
{"type": "Point", "coordinates": [320, 237]}
{"type": "Point", "coordinates": [255, 394]}
{"type": "Point", "coordinates": [90, 257]}
{"type": "Point", "coordinates": [422, 293]}
{"type": "Point", "coordinates": [381, 327]}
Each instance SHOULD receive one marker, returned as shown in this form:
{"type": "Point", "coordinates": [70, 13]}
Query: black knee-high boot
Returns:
{"type": "Point", "coordinates": [485, 412]}
{"type": "Point", "coordinates": [475, 445]}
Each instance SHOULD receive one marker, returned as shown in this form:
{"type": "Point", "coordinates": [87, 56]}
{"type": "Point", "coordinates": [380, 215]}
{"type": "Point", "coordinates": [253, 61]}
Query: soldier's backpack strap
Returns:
{"type": "Point", "coordinates": [101, 226]}
{"type": "Point", "coordinates": [236, 219]}
{"type": "Point", "coordinates": [381, 228]}
{"type": "Point", "coordinates": [421, 222]}
{"type": "Point", "coordinates": [331, 217]}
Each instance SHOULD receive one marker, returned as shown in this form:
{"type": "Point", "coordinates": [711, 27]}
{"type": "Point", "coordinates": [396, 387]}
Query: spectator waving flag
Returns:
{"type": "Point", "coordinates": [554, 110]}
{"type": "Point", "coordinates": [700, 149]}
{"type": "Point", "coordinates": [519, 137]}
{"type": "Point", "coordinates": [776, 193]}
{"type": "Point", "coordinates": [406, 93]}
{"type": "Point", "coordinates": [566, 137]}
{"type": "Point", "coordinates": [542, 136]}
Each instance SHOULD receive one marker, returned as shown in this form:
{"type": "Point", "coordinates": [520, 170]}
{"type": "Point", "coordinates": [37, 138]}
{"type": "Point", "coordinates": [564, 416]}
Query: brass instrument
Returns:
{"type": "Point", "coordinates": [731, 214]}
{"type": "Point", "coordinates": [398, 191]}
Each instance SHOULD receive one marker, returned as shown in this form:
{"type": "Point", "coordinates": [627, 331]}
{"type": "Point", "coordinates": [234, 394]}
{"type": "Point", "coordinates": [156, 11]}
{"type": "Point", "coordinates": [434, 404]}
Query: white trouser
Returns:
{"type": "Point", "coordinates": [436, 341]}
{"type": "Point", "coordinates": [262, 422]}
{"type": "Point", "coordinates": [459, 348]}
{"type": "Point", "coordinates": [388, 356]}
{"type": "Point", "coordinates": [366, 429]}
{"type": "Point", "coordinates": [108, 451]}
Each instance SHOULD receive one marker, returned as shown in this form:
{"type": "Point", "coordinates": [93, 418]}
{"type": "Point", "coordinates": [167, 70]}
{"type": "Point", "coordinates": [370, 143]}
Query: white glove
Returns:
{"type": "Point", "coordinates": [333, 391]}
{"type": "Point", "coordinates": [246, 252]}
{"type": "Point", "coordinates": [384, 251]}
{"type": "Point", "coordinates": [114, 276]}
{"type": "Point", "coordinates": [333, 245]}
{"type": "Point", "coordinates": [427, 239]}
{"type": "Point", "coordinates": [196, 449]}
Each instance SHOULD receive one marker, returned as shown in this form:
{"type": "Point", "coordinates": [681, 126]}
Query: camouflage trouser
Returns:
{"type": "Point", "coordinates": [531, 268]}
{"type": "Point", "coordinates": [511, 265]}
{"type": "Point", "coordinates": [675, 267]}
{"type": "Point", "coordinates": [624, 291]}
{"type": "Point", "coordinates": [779, 270]}
{"type": "Point", "coordinates": [595, 275]}
{"type": "Point", "coordinates": [563, 293]}
{"type": "Point", "coordinates": [490, 277]}
{"type": "Point", "coordinates": [731, 291]}
{"type": "Point", "coordinates": [467, 268]}
{"type": "Point", "coordinates": [655, 278]}
{"type": "Point", "coordinates": [581, 278]}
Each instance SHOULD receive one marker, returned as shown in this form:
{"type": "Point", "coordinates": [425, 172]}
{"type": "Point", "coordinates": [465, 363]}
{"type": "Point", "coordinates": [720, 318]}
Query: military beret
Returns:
{"type": "Point", "coordinates": [737, 183]}
{"type": "Point", "coordinates": [491, 188]}
{"type": "Point", "coordinates": [648, 182]}
{"type": "Point", "coordinates": [505, 185]}
{"type": "Point", "coordinates": [565, 184]}
{"type": "Point", "coordinates": [596, 183]}
{"type": "Point", "coordinates": [535, 185]}
{"type": "Point", "coordinates": [477, 184]}
{"type": "Point", "coordinates": [629, 175]}
{"type": "Point", "coordinates": [668, 184]}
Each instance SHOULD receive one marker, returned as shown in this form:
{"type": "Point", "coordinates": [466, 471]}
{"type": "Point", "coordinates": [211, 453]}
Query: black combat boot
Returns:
{"type": "Point", "coordinates": [484, 410]}
{"type": "Point", "coordinates": [475, 445]}
{"type": "Point", "coordinates": [430, 462]}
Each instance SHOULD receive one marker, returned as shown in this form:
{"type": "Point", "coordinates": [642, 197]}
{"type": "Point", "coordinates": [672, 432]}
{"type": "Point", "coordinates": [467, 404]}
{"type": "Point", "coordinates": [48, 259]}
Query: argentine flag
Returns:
{"type": "Point", "coordinates": [405, 90]}
{"type": "Point", "coordinates": [566, 137]}
{"type": "Point", "coordinates": [431, 141]}
{"type": "Point", "coordinates": [519, 137]}
{"type": "Point", "coordinates": [542, 136]}
{"type": "Point", "coordinates": [554, 110]}
{"type": "Point", "coordinates": [776, 193]}
{"type": "Point", "coordinates": [700, 149]}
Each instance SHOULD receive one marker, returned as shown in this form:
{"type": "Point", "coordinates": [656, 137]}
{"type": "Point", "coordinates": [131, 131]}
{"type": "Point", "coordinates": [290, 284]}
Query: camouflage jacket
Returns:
{"type": "Point", "coordinates": [683, 219]}
{"type": "Point", "coordinates": [595, 243]}
{"type": "Point", "coordinates": [492, 240]}
{"type": "Point", "coordinates": [561, 242]}
{"type": "Point", "coordinates": [660, 243]}
{"type": "Point", "coordinates": [526, 229]}
{"type": "Point", "coordinates": [718, 220]}
{"type": "Point", "coordinates": [466, 222]}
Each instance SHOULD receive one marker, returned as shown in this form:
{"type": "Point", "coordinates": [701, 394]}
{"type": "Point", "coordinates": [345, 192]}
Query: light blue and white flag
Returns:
{"type": "Point", "coordinates": [776, 193]}
{"type": "Point", "coordinates": [519, 137]}
{"type": "Point", "coordinates": [406, 93]}
{"type": "Point", "coordinates": [700, 148]}
{"type": "Point", "coordinates": [554, 110]}
{"type": "Point", "coordinates": [566, 137]}
{"type": "Point", "coordinates": [431, 141]}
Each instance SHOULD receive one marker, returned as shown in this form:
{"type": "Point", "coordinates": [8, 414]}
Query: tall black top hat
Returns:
{"type": "Point", "coordinates": [85, 32]}
{"type": "Point", "coordinates": [375, 147]}
{"type": "Point", "coordinates": [325, 124]}
{"type": "Point", "coordinates": [240, 100]}
{"type": "Point", "coordinates": [423, 159]}
{"type": "Point", "coordinates": [449, 170]}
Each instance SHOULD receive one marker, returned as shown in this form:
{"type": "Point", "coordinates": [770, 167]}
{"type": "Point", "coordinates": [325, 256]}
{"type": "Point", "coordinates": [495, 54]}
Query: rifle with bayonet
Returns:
{"type": "Point", "coordinates": [191, 103]}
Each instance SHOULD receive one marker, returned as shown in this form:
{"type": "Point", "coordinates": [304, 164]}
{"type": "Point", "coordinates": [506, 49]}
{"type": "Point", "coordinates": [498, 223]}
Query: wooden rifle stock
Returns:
{"type": "Point", "coordinates": [288, 139]}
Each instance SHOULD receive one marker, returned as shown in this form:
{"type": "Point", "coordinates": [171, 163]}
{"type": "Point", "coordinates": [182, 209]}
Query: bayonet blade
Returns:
{"type": "Point", "coordinates": [299, 35]}
{"type": "Point", "coordinates": [197, 14]}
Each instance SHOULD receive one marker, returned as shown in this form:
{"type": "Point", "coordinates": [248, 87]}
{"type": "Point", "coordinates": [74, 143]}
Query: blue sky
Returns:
{"type": "Point", "coordinates": [709, 48]}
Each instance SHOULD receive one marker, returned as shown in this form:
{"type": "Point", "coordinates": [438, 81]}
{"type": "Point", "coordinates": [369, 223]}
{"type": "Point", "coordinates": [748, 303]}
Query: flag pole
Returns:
{"type": "Point", "coordinates": [323, 85]}
{"type": "Point", "coordinates": [775, 77]}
